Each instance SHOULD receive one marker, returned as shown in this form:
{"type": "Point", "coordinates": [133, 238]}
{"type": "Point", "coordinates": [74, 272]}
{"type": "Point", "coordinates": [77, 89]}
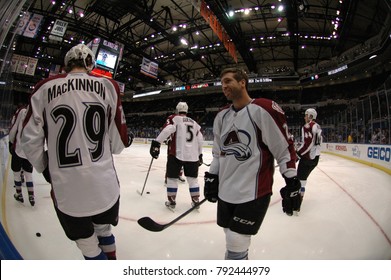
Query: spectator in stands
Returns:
{"type": "Point", "coordinates": [350, 138]}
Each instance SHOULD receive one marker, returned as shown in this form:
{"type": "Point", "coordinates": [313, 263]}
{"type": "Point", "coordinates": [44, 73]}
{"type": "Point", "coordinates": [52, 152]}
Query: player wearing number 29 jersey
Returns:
{"type": "Point", "coordinates": [80, 118]}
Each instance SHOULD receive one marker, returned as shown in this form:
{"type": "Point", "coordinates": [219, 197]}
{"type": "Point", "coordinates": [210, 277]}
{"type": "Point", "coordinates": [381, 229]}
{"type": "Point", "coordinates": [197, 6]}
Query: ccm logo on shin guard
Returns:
{"type": "Point", "coordinates": [243, 221]}
{"type": "Point", "coordinates": [293, 194]}
{"type": "Point", "coordinates": [209, 180]}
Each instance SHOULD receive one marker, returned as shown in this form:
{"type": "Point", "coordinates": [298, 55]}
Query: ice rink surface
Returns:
{"type": "Point", "coordinates": [346, 215]}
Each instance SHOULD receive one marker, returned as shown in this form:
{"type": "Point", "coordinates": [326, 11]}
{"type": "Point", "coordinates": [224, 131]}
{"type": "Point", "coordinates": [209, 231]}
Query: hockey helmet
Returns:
{"type": "Point", "coordinates": [80, 51]}
{"type": "Point", "coordinates": [182, 107]}
{"type": "Point", "coordinates": [312, 114]}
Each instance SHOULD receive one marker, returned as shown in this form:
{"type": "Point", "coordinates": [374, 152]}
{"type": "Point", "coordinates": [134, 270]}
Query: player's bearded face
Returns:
{"type": "Point", "coordinates": [233, 93]}
{"type": "Point", "coordinates": [231, 88]}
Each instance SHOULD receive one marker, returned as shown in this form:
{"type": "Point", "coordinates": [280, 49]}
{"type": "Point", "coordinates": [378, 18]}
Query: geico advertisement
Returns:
{"type": "Point", "coordinates": [375, 154]}
{"type": "Point", "coordinates": [380, 153]}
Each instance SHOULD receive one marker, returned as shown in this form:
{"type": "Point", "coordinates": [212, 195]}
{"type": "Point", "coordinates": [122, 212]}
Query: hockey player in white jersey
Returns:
{"type": "Point", "coordinates": [185, 150]}
{"type": "Point", "coordinates": [19, 162]}
{"type": "Point", "coordinates": [81, 119]}
{"type": "Point", "coordinates": [309, 150]}
{"type": "Point", "coordinates": [248, 136]}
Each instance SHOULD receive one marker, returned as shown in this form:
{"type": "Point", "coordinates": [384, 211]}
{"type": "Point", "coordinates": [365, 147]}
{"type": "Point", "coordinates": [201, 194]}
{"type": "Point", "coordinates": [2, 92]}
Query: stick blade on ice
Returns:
{"type": "Point", "coordinates": [149, 224]}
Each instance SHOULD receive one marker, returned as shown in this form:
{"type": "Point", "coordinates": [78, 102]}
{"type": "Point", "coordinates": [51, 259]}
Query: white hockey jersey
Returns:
{"type": "Point", "coordinates": [186, 137]}
{"type": "Point", "coordinates": [246, 142]}
{"type": "Point", "coordinates": [311, 140]}
{"type": "Point", "coordinates": [15, 131]}
{"type": "Point", "coordinates": [80, 117]}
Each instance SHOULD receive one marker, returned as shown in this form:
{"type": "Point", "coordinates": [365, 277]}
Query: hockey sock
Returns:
{"type": "Point", "coordinates": [18, 186]}
{"type": "Point", "coordinates": [101, 256]}
{"type": "Point", "coordinates": [172, 189]}
{"type": "Point", "coordinates": [303, 183]}
{"type": "Point", "coordinates": [30, 188]}
{"type": "Point", "coordinates": [195, 193]}
{"type": "Point", "coordinates": [107, 244]}
{"type": "Point", "coordinates": [229, 255]}
{"type": "Point", "coordinates": [90, 248]}
{"type": "Point", "coordinates": [18, 189]}
{"type": "Point", "coordinates": [194, 188]}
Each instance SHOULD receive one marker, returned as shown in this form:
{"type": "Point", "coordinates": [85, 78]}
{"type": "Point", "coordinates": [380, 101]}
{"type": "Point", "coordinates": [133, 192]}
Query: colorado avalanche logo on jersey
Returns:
{"type": "Point", "coordinates": [236, 143]}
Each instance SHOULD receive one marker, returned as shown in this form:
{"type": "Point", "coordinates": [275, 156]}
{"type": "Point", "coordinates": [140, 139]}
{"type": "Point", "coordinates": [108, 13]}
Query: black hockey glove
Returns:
{"type": "Point", "coordinates": [10, 147]}
{"type": "Point", "coordinates": [211, 188]}
{"type": "Point", "coordinates": [155, 149]}
{"type": "Point", "coordinates": [46, 175]}
{"type": "Point", "coordinates": [200, 160]}
{"type": "Point", "coordinates": [291, 199]}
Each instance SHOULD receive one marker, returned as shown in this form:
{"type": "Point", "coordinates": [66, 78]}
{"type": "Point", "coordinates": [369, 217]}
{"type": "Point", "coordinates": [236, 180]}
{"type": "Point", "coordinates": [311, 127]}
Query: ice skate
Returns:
{"type": "Point", "coordinates": [19, 197]}
{"type": "Point", "coordinates": [194, 202]}
{"type": "Point", "coordinates": [170, 205]}
{"type": "Point", "coordinates": [31, 200]}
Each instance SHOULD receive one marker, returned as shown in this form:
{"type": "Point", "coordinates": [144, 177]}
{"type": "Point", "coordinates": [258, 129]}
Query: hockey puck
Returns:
{"type": "Point", "coordinates": [38, 234]}
{"type": "Point", "coordinates": [148, 192]}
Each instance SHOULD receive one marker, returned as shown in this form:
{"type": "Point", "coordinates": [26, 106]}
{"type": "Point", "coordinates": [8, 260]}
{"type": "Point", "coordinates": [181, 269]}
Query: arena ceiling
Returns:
{"type": "Point", "coordinates": [297, 40]}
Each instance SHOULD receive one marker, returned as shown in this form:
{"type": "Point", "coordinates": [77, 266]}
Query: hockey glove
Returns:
{"type": "Point", "coordinates": [155, 149]}
{"type": "Point", "coordinates": [46, 175]}
{"type": "Point", "coordinates": [291, 198]}
{"type": "Point", "coordinates": [200, 160]}
{"type": "Point", "coordinates": [211, 188]}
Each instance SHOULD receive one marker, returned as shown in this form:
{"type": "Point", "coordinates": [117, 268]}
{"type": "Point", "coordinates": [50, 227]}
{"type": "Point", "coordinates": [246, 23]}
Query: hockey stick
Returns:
{"type": "Point", "coordinates": [149, 169]}
{"type": "Point", "coordinates": [151, 225]}
{"type": "Point", "coordinates": [206, 164]}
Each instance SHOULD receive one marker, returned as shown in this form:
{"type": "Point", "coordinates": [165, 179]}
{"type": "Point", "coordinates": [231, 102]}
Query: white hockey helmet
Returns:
{"type": "Point", "coordinates": [80, 51]}
{"type": "Point", "coordinates": [312, 114]}
{"type": "Point", "coordinates": [182, 107]}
